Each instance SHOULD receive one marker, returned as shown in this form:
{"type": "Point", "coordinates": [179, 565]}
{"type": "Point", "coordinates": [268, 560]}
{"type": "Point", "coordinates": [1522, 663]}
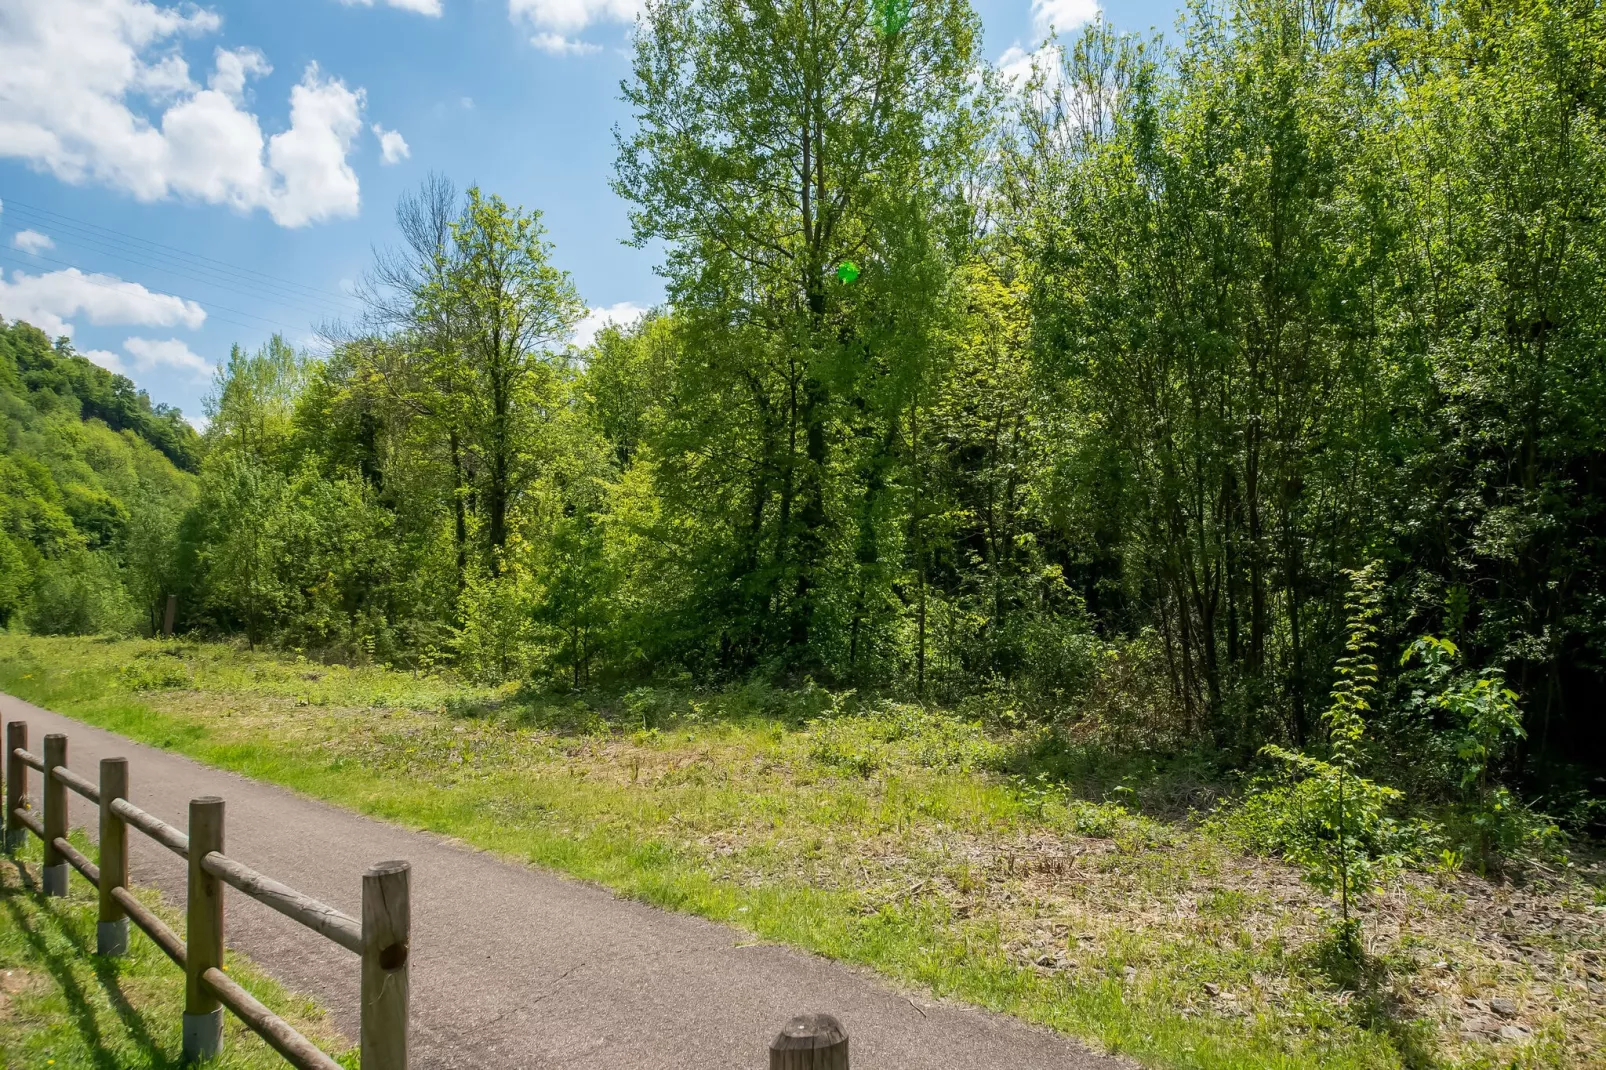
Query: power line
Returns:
{"type": "Point", "coordinates": [87, 231]}
{"type": "Point", "coordinates": [92, 280]}
{"type": "Point", "coordinates": [128, 259]}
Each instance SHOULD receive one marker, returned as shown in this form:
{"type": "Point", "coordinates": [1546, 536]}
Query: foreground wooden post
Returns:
{"type": "Point", "coordinates": [386, 925]}
{"type": "Point", "coordinates": [810, 1042]}
{"type": "Point", "coordinates": [203, 943]}
{"type": "Point", "coordinates": [16, 784]}
{"type": "Point", "coordinates": [55, 816]}
{"type": "Point", "coordinates": [111, 934]}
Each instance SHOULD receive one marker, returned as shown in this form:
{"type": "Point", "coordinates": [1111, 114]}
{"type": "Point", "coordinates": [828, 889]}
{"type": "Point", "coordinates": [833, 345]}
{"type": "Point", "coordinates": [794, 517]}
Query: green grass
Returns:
{"type": "Point", "coordinates": [895, 838]}
{"type": "Point", "coordinates": [64, 1008]}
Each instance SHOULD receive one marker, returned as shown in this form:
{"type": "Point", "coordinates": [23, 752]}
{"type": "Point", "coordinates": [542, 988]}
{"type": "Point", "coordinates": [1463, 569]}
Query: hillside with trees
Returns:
{"type": "Point", "coordinates": [94, 481]}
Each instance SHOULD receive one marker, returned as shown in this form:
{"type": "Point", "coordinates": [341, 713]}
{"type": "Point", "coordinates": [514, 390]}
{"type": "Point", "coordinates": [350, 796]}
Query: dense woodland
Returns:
{"type": "Point", "coordinates": [1089, 395]}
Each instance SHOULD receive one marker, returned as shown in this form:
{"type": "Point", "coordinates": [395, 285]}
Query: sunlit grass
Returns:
{"type": "Point", "coordinates": [895, 842]}
{"type": "Point", "coordinates": [64, 1008]}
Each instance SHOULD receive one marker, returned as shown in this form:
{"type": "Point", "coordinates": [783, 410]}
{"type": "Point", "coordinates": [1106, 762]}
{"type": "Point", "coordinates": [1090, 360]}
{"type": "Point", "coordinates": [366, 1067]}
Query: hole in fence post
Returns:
{"type": "Point", "coordinates": [16, 784]}
{"type": "Point", "coordinates": [810, 1042]}
{"type": "Point", "coordinates": [203, 944]}
{"type": "Point", "coordinates": [111, 932]}
{"type": "Point", "coordinates": [386, 930]}
{"type": "Point", "coordinates": [55, 815]}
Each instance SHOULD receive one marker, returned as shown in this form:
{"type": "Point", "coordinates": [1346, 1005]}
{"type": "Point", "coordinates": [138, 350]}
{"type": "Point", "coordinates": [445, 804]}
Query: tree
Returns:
{"type": "Point", "coordinates": [776, 143]}
{"type": "Point", "coordinates": [511, 308]}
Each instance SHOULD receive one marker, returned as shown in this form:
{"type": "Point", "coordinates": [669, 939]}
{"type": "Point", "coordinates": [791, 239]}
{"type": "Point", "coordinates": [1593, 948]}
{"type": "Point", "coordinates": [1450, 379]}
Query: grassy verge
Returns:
{"type": "Point", "coordinates": [894, 839]}
{"type": "Point", "coordinates": [63, 1008]}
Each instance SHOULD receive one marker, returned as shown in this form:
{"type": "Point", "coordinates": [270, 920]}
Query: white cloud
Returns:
{"type": "Point", "coordinates": [559, 45]}
{"type": "Point", "coordinates": [232, 68]}
{"type": "Point", "coordinates": [423, 7]}
{"type": "Point", "coordinates": [98, 91]}
{"type": "Point", "coordinates": [1018, 66]}
{"type": "Point", "coordinates": [150, 355]}
{"type": "Point", "coordinates": [621, 315]}
{"type": "Point", "coordinates": [558, 20]}
{"type": "Point", "coordinates": [106, 359]}
{"type": "Point", "coordinates": [392, 146]}
{"type": "Point", "coordinates": [31, 241]}
{"type": "Point", "coordinates": [49, 301]}
{"type": "Point", "coordinates": [1062, 15]}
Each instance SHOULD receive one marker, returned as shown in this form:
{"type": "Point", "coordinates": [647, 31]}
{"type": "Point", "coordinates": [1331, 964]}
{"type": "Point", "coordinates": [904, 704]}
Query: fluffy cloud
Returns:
{"type": "Point", "coordinates": [1049, 18]}
{"type": "Point", "coordinates": [150, 355]}
{"type": "Point", "coordinates": [48, 301]}
{"type": "Point", "coordinates": [392, 146]}
{"type": "Point", "coordinates": [106, 359]}
{"type": "Point", "coordinates": [559, 45]}
{"type": "Point", "coordinates": [423, 7]}
{"type": "Point", "coordinates": [1018, 66]}
{"type": "Point", "coordinates": [1062, 15]}
{"type": "Point", "coordinates": [621, 315]}
{"type": "Point", "coordinates": [31, 241]}
{"type": "Point", "coordinates": [558, 20]}
{"type": "Point", "coordinates": [98, 91]}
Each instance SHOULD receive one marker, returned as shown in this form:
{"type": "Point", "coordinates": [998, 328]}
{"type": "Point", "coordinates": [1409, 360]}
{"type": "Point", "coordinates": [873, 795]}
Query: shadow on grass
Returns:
{"type": "Point", "coordinates": [1162, 785]}
{"type": "Point", "coordinates": [60, 969]}
{"type": "Point", "coordinates": [567, 712]}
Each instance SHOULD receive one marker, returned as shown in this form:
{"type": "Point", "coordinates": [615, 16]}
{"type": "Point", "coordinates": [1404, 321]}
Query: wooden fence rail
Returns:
{"type": "Point", "coordinates": [380, 938]}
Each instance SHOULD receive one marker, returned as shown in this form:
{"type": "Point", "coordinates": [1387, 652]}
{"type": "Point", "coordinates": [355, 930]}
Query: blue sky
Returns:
{"type": "Point", "coordinates": [178, 178]}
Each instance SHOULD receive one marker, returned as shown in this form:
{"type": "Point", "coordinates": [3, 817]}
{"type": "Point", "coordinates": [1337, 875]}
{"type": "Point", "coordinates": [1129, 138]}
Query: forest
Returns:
{"type": "Point", "coordinates": [1150, 389]}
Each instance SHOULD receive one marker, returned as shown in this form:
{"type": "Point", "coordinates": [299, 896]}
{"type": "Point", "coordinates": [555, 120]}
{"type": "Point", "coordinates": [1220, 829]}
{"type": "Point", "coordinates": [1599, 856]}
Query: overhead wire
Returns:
{"type": "Point", "coordinates": [207, 307]}
{"type": "Point", "coordinates": [132, 259]}
{"type": "Point", "coordinates": [85, 230]}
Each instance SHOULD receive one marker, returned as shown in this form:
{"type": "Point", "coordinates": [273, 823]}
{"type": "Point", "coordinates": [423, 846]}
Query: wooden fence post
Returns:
{"type": "Point", "coordinates": [16, 784]}
{"type": "Point", "coordinates": [810, 1042]}
{"type": "Point", "coordinates": [203, 943]}
{"type": "Point", "coordinates": [386, 925]}
{"type": "Point", "coordinates": [55, 815]}
{"type": "Point", "coordinates": [111, 934]}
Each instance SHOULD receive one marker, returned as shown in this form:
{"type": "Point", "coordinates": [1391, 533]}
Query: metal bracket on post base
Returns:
{"type": "Point", "coordinates": [55, 815]}
{"type": "Point", "coordinates": [203, 1036]}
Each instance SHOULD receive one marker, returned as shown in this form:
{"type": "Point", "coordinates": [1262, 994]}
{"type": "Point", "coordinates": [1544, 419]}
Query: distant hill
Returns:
{"type": "Point", "coordinates": [30, 363]}
{"type": "Point", "coordinates": [94, 482]}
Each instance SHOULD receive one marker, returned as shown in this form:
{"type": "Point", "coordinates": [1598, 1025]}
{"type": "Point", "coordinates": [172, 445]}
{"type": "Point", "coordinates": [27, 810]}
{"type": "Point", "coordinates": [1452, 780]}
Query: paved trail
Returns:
{"type": "Point", "coordinates": [517, 967]}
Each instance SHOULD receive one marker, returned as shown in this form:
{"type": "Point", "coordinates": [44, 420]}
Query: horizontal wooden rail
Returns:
{"type": "Point", "coordinates": [29, 822]}
{"type": "Point", "coordinates": [153, 927]}
{"type": "Point", "coordinates": [83, 865]}
{"type": "Point", "coordinates": [319, 917]}
{"type": "Point", "coordinates": [280, 1035]}
{"type": "Point", "coordinates": [77, 783]}
{"type": "Point", "coordinates": [380, 938]}
{"type": "Point", "coordinates": [154, 827]}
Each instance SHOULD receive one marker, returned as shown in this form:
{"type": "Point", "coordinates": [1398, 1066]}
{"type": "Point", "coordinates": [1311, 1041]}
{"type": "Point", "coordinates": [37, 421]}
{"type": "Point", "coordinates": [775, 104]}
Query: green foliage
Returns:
{"type": "Point", "coordinates": [894, 735]}
{"type": "Point", "coordinates": [87, 467]}
{"type": "Point", "coordinates": [1478, 722]}
{"type": "Point", "coordinates": [1067, 403]}
{"type": "Point", "coordinates": [79, 594]}
{"type": "Point", "coordinates": [1331, 822]}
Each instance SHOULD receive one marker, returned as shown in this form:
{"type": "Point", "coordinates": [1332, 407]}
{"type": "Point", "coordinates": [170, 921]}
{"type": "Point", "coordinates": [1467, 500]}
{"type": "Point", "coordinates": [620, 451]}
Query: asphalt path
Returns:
{"type": "Point", "coordinates": [516, 966]}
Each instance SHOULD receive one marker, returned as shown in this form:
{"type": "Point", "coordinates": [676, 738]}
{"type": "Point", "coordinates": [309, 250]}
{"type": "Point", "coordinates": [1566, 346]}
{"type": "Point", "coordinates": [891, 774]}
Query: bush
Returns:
{"type": "Point", "coordinates": [80, 594]}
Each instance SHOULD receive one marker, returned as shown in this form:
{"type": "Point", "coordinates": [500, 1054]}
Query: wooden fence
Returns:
{"type": "Point", "coordinates": [380, 938]}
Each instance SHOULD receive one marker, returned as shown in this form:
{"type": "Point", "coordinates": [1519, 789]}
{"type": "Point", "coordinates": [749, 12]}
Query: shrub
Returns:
{"type": "Point", "coordinates": [79, 594]}
{"type": "Point", "coordinates": [1332, 822]}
